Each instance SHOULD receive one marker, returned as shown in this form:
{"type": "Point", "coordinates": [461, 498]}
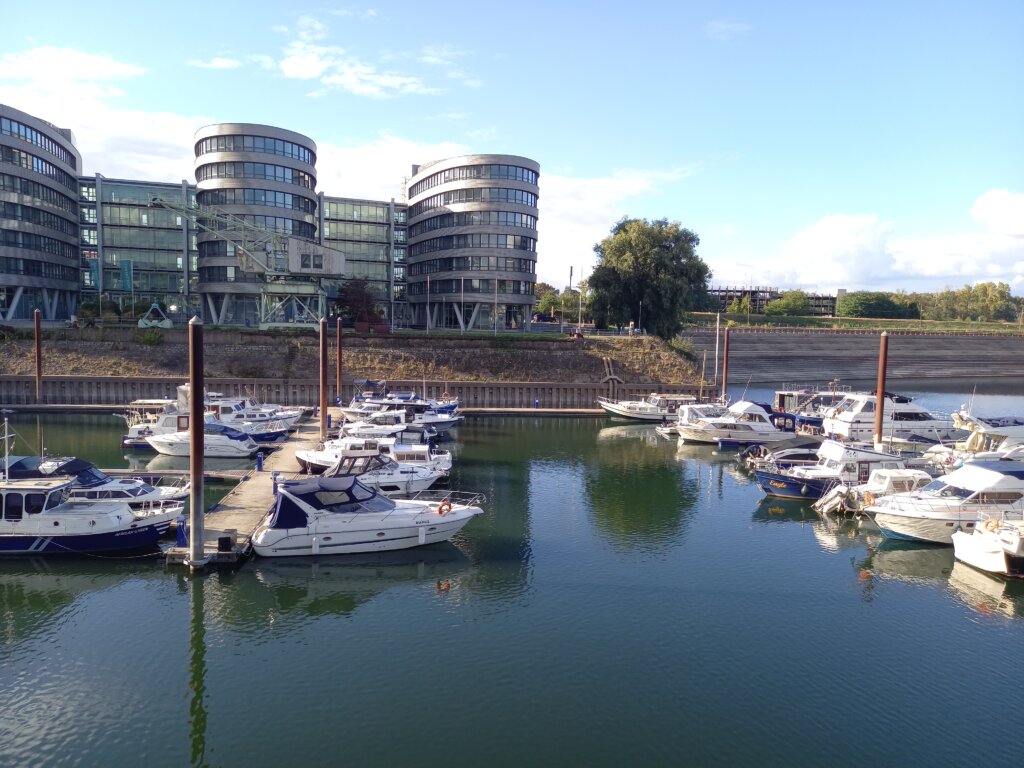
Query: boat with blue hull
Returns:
{"type": "Point", "coordinates": [36, 518]}
{"type": "Point", "coordinates": [837, 463]}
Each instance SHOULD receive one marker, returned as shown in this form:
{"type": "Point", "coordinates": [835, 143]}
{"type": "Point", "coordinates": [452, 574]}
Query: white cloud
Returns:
{"type": "Point", "coordinates": [215, 63]}
{"type": "Point", "coordinates": [725, 30]}
{"type": "Point", "coordinates": [73, 89]}
{"type": "Point", "coordinates": [862, 252]}
{"type": "Point", "coordinates": [375, 171]}
{"type": "Point", "coordinates": [577, 213]}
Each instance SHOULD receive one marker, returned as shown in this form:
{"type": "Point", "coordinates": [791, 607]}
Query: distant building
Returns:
{"type": "Point", "coordinates": [822, 304]}
{"type": "Point", "coordinates": [469, 228]}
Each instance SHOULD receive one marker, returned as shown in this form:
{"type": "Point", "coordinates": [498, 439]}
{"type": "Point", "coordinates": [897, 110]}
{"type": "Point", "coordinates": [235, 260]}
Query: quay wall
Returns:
{"type": "Point", "coordinates": [119, 391]}
{"type": "Point", "coordinates": [765, 355]}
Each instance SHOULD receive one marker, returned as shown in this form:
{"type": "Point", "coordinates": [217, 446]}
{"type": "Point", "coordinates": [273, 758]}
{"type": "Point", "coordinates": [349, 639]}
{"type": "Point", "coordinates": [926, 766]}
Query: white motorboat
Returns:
{"type": "Point", "coordinates": [796, 450]}
{"type": "Point", "coordinates": [378, 471]}
{"type": "Point", "coordinates": [402, 432]}
{"type": "Point", "coordinates": [809, 403]}
{"type": "Point", "coordinates": [689, 413]}
{"type": "Point", "coordinates": [996, 544]}
{"type": "Point", "coordinates": [38, 519]}
{"type": "Point", "coordinates": [854, 419]}
{"type": "Point", "coordinates": [854, 499]}
{"type": "Point", "coordinates": [219, 441]}
{"type": "Point", "coordinates": [424, 454]}
{"type": "Point", "coordinates": [655, 407]}
{"type": "Point", "coordinates": [742, 424]}
{"type": "Point", "coordinates": [838, 463]}
{"type": "Point", "coordinates": [341, 515]}
{"type": "Point", "coordinates": [957, 501]}
{"type": "Point", "coordinates": [92, 485]}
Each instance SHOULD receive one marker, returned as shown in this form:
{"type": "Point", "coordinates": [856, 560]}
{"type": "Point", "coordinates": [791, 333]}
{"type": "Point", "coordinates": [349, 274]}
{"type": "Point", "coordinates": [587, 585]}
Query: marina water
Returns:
{"type": "Point", "coordinates": [622, 602]}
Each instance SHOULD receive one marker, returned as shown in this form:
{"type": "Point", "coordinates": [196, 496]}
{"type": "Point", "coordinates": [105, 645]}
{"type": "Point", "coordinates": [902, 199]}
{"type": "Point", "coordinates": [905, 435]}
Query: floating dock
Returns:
{"type": "Point", "coordinates": [228, 527]}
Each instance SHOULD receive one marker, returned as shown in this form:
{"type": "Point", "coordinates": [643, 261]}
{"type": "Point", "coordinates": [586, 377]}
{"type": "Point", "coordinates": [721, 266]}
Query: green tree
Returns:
{"type": "Point", "coordinates": [648, 272]}
{"type": "Point", "coordinates": [875, 304]}
{"type": "Point", "coordinates": [357, 302]}
{"type": "Point", "coordinates": [790, 304]}
{"type": "Point", "coordinates": [739, 306]}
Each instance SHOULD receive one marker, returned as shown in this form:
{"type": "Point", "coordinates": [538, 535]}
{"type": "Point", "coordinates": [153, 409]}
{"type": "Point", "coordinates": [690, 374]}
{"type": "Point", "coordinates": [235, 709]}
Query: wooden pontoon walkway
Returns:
{"type": "Point", "coordinates": [240, 511]}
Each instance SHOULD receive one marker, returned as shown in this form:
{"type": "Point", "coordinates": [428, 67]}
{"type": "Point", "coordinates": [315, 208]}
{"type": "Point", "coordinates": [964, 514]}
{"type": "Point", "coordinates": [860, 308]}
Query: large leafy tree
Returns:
{"type": "Point", "coordinates": [356, 300]}
{"type": "Point", "coordinates": [790, 304]}
{"type": "Point", "coordinates": [648, 272]}
{"type": "Point", "coordinates": [876, 304]}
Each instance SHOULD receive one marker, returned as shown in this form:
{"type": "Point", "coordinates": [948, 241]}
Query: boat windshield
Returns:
{"type": "Point", "coordinates": [942, 490]}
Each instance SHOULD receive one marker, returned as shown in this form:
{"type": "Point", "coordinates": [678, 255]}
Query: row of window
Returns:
{"type": "Point", "coordinates": [33, 242]}
{"type": "Point", "coordinates": [356, 211]}
{"type": "Point", "coordinates": [13, 156]}
{"type": "Point", "coordinates": [476, 195]}
{"type": "Point", "coordinates": [494, 171]}
{"type": "Point", "coordinates": [14, 266]}
{"type": "Point", "coordinates": [21, 131]}
{"type": "Point", "coordinates": [473, 240]}
{"type": "Point", "coordinates": [142, 259]}
{"type": "Point", "coordinates": [158, 239]}
{"type": "Point", "coordinates": [132, 216]}
{"type": "Point", "coordinates": [482, 285]}
{"type": "Point", "coordinates": [267, 197]}
{"type": "Point", "coordinates": [265, 171]}
{"type": "Point", "coordinates": [473, 264]}
{"type": "Point", "coordinates": [280, 224]}
{"type": "Point", "coordinates": [379, 233]}
{"type": "Point", "coordinates": [140, 280]}
{"type": "Point", "coordinates": [41, 192]}
{"type": "Point", "coordinates": [263, 144]}
{"type": "Point", "coordinates": [141, 194]}
{"type": "Point", "coordinates": [225, 275]}
{"type": "Point", "coordinates": [474, 219]}
{"type": "Point", "coordinates": [361, 251]}
{"type": "Point", "coordinates": [38, 216]}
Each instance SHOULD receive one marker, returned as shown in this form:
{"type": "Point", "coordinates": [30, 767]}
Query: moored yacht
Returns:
{"type": "Point", "coordinates": [958, 501]}
{"type": "Point", "coordinates": [838, 463]}
{"type": "Point", "coordinates": [654, 407]}
{"type": "Point", "coordinates": [378, 471]}
{"type": "Point", "coordinates": [425, 454]}
{"type": "Point", "coordinates": [219, 441]}
{"type": "Point", "coordinates": [38, 519]}
{"type": "Point", "coordinates": [341, 515]}
{"type": "Point", "coordinates": [853, 418]}
{"type": "Point", "coordinates": [743, 423]}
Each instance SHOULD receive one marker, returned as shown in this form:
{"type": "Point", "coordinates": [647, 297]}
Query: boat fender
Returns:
{"type": "Point", "coordinates": [869, 499]}
{"type": "Point", "coordinates": [803, 490]}
{"type": "Point", "coordinates": [949, 459]}
{"type": "Point", "coordinates": [444, 508]}
{"type": "Point", "coordinates": [991, 524]}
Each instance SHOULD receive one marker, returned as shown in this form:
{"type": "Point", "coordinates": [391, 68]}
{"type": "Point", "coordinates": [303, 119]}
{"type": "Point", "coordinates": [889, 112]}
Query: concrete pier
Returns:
{"type": "Point", "coordinates": [236, 516]}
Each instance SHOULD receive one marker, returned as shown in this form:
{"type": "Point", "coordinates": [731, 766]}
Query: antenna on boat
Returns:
{"type": "Point", "coordinates": [7, 444]}
{"type": "Point", "coordinates": [744, 395]}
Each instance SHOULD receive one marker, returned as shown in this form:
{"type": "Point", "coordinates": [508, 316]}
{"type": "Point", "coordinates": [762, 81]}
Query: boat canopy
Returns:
{"type": "Point", "coordinates": [339, 495]}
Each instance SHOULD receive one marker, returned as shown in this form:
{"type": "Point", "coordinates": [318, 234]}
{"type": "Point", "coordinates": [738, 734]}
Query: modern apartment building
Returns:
{"type": "Point", "coordinates": [252, 241]}
{"type": "Point", "coordinates": [39, 248]}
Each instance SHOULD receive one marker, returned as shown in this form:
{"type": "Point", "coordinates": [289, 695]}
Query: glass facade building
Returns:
{"type": "Point", "coordinates": [472, 254]}
{"type": "Point", "coordinates": [39, 218]}
{"type": "Point", "coordinates": [460, 251]}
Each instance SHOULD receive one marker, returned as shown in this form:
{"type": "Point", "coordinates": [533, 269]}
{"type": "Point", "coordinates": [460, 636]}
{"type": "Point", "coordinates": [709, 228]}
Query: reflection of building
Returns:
{"type": "Point", "coordinates": [473, 241]}
{"type": "Point", "coordinates": [822, 304]}
{"type": "Point", "coordinates": [39, 253]}
{"type": "Point", "coordinates": [476, 217]}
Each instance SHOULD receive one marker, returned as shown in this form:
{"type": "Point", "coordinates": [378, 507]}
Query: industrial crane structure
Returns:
{"type": "Point", "coordinates": [291, 272]}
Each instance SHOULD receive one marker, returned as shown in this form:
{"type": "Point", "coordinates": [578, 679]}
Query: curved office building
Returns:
{"type": "Point", "coordinates": [266, 176]}
{"type": "Point", "coordinates": [39, 242]}
{"type": "Point", "coordinates": [473, 242]}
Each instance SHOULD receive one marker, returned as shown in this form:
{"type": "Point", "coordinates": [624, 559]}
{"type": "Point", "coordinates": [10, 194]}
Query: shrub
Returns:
{"type": "Point", "coordinates": [151, 337]}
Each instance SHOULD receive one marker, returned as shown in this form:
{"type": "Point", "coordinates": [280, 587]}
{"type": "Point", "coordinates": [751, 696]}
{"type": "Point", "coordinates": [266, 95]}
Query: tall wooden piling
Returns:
{"type": "Point", "coordinates": [725, 362]}
{"type": "Point", "coordinates": [337, 365]}
{"type": "Point", "coordinates": [883, 362]}
{"type": "Point", "coordinates": [323, 378]}
{"type": "Point", "coordinates": [197, 441]}
{"type": "Point", "coordinates": [38, 323]}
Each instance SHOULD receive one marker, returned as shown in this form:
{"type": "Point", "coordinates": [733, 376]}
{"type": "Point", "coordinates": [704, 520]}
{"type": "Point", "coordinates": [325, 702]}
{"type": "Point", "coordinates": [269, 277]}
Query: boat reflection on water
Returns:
{"type": "Point", "coordinates": [986, 594]}
{"type": "Point", "coordinates": [629, 431]}
{"type": "Point", "coordinates": [36, 593]}
{"type": "Point", "coordinates": [162, 463]}
{"type": "Point", "coordinates": [774, 510]}
{"type": "Point", "coordinates": [837, 533]}
{"type": "Point", "coordinates": [290, 590]}
{"type": "Point", "coordinates": [908, 562]}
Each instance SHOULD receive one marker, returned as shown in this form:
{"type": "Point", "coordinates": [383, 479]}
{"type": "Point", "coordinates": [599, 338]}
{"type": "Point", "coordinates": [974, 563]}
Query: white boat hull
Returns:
{"type": "Point", "coordinates": [426, 528]}
{"type": "Point", "coordinates": [231, 449]}
{"type": "Point", "coordinates": [995, 551]}
{"type": "Point", "coordinates": [931, 529]}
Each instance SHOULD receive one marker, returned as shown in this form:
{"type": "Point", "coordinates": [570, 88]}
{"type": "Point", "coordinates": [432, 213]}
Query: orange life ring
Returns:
{"type": "Point", "coordinates": [869, 499]}
{"type": "Point", "coordinates": [444, 508]}
{"type": "Point", "coordinates": [991, 525]}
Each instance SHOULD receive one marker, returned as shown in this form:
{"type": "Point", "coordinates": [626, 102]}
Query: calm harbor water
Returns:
{"type": "Point", "coordinates": [623, 602]}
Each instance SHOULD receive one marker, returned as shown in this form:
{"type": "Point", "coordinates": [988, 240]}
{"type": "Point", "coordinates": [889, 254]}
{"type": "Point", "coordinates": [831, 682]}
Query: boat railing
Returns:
{"type": "Point", "coordinates": [984, 510]}
{"type": "Point", "coordinates": [467, 498]}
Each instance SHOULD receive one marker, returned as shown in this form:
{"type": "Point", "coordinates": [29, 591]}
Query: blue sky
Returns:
{"type": "Point", "coordinates": [809, 145]}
